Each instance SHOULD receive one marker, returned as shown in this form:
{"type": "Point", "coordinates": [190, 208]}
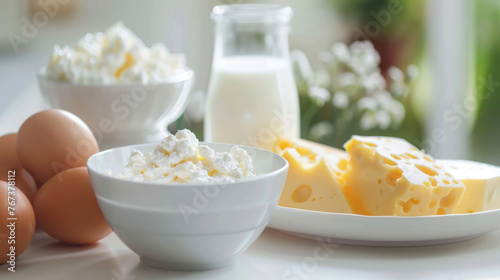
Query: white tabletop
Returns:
{"type": "Point", "coordinates": [274, 255]}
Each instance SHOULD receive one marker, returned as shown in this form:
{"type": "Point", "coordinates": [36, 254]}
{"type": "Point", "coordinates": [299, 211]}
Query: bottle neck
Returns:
{"type": "Point", "coordinates": [251, 40]}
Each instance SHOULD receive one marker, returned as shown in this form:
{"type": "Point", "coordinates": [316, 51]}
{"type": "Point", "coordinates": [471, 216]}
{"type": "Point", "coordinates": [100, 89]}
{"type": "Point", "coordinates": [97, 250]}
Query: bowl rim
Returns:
{"type": "Point", "coordinates": [186, 75]}
{"type": "Point", "coordinates": [284, 167]}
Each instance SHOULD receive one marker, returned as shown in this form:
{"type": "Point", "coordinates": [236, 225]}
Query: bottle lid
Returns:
{"type": "Point", "coordinates": [252, 13]}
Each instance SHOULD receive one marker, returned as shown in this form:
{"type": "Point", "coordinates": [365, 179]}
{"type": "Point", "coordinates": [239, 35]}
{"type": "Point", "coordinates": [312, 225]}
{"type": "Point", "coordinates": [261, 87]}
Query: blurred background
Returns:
{"type": "Point", "coordinates": [432, 67]}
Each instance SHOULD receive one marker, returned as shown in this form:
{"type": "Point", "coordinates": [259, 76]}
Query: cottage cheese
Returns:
{"type": "Point", "coordinates": [115, 56]}
{"type": "Point", "coordinates": [180, 159]}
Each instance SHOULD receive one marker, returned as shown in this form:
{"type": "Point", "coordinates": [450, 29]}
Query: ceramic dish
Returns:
{"type": "Point", "coordinates": [188, 226]}
{"type": "Point", "coordinates": [362, 230]}
{"type": "Point", "coordinates": [122, 114]}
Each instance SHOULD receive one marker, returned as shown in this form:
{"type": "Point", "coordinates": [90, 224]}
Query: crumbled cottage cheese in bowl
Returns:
{"type": "Point", "coordinates": [180, 159]}
{"type": "Point", "coordinates": [115, 56]}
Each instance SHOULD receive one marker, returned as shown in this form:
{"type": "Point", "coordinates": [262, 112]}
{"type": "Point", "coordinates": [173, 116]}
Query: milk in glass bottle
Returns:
{"type": "Point", "coordinates": [252, 97]}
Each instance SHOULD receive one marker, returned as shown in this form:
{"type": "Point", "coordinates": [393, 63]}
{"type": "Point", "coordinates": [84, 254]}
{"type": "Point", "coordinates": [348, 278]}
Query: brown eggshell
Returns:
{"type": "Point", "coordinates": [24, 182]}
{"type": "Point", "coordinates": [24, 225]}
{"type": "Point", "coordinates": [8, 155]}
{"type": "Point", "coordinates": [52, 141]}
{"type": "Point", "coordinates": [66, 208]}
{"type": "Point", "coordinates": [9, 161]}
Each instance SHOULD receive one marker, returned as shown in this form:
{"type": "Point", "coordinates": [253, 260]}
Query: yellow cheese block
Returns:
{"type": "Point", "coordinates": [311, 183]}
{"type": "Point", "coordinates": [482, 185]}
{"type": "Point", "coordinates": [306, 147]}
{"type": "Point", "coordinates": [388, 176]}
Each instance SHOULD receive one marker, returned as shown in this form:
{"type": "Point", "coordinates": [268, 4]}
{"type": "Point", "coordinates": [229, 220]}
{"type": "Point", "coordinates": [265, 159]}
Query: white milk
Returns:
{"type": "Point", "coordinates": [252, 100]}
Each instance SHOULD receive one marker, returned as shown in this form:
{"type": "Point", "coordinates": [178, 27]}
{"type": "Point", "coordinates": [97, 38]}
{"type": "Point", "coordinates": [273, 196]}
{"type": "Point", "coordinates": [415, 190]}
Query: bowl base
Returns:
{"type": "Point", "coordinates": [185, 266]}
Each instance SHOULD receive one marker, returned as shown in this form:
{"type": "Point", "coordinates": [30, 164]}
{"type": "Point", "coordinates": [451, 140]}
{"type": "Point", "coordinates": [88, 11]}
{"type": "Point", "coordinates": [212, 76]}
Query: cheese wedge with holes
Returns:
{"type": "Point", "coordinates": [307, 146]}
{"type": "Point", "coordinates": [388, 176]}
{"type": "Point", "coordinates": [311, 183]}
{"type": "Point", "coordinates": [482, 184]}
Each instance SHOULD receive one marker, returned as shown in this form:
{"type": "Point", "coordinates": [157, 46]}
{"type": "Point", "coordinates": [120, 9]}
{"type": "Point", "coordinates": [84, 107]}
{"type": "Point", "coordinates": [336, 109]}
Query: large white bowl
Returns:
{"type": "Point", "coordinates": [122, 114]}
{"type": "Point", "coordinates": [187, 226]}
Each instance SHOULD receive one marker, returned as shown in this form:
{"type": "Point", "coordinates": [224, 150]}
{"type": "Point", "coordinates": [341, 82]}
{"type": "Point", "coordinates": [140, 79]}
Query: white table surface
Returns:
{"type": "Point", "coordinates": [274, 255]}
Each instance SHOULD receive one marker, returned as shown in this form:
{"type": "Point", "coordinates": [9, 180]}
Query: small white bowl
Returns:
{"type": "Point", "coordinates": [122, 114]}
{"type": "Point", "coordinates": [188, 226]}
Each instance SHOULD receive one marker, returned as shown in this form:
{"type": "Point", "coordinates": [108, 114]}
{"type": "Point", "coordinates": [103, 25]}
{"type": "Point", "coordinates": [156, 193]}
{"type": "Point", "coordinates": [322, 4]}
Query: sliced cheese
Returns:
{"type": "Point", "coordinates": [388, 176]}
{"type": "Point", "coordinates": [306, 146]}
{"type": "Point", "coordinates": [311, 183]}
{"type": "Point", "coordinates": [482, 184]}
{"type": "Point", "coordinates": [309, 148]}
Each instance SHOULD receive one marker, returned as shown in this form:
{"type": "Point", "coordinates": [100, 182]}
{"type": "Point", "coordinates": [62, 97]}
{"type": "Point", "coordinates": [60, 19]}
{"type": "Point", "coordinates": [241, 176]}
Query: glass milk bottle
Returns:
{"type": "Point", "coordinates": [252, 97]}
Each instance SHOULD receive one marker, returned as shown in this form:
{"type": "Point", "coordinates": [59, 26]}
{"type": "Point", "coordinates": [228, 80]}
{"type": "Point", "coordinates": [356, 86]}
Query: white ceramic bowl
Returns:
{"type": "Point", "coordinates": [188, 226]}
{"type": "Point", "coordinates": [122, 114]}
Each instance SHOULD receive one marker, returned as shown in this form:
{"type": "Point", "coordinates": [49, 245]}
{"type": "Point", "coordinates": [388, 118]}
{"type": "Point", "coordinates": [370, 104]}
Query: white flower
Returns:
{"type": "Point", "coordinates": [368, 121]}
{"type": "Point", "coordinates": [412, 71]}
{"type": "Point", "coordinates": [367, 103]}
{"type": "Point", "coordinates": [346, 79]}
{"type": "Point", "coordinates": [396, 74]}
{"type": "Point", "coordinates": [320, 130]}
{"type": "Point", "coordinates": [303, 65]}
{"type": "Point", "coordinates": [383, 119]}
{"type": "Point", "coordinates": [384, 99]}
{"type": "Point", "coordinates": [341, 53]}
{"type": "Point", "coordinates": [374, 81]}
{"type": "Point", "coordinates": [352, 80]}
{"type": "Point", "coordinates": [340, 100]}
{"type": "Point", "coordinates": [364, 57]}
{"type": "Point", "coordinates": [319, 95]}
{"type": "Point", "coordinates": [398, 112]}
{"type": "Point", "coordinates": [399, 89]}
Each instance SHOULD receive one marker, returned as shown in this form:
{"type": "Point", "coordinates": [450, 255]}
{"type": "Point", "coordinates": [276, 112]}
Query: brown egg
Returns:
{"type": "Point", "coordinates": [9, 161]}
{"type": "Point", "coordinates": [66, 208]}
{"type": "Point", "coordinates": [52, 141]}
{"type": "Point", "coordinates": [24, 182]}
{"type": "Point", "coordinates": [8, 155]}
{"type": "Point", "coordinates": [19, 232]}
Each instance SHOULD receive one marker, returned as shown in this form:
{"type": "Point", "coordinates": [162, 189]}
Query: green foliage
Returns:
{"type": "Point", "coordinates": [363, 11]}
{"type": "Point", "coordinates": [486, 132]}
